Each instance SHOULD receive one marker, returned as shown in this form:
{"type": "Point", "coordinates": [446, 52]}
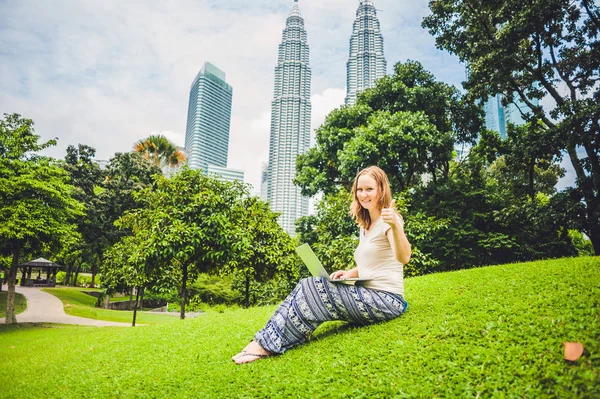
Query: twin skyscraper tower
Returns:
{"type": "Point", "coordinates": [290, 108]}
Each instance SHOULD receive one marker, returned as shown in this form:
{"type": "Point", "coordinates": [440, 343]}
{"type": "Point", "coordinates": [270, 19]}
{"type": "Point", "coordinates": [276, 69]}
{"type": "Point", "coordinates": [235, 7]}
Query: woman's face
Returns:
{"type": "Point", "coordinates": [367, 192]}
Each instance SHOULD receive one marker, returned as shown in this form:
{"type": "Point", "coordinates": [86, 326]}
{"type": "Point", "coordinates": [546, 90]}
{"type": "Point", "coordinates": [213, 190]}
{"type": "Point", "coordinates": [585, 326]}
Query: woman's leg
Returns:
{"type": "Point", "coordinates": [272, 338]}
{"type": "Point", "coordinates": [313, 301]}
{"type": "Point", "coordinates": [316, 300]}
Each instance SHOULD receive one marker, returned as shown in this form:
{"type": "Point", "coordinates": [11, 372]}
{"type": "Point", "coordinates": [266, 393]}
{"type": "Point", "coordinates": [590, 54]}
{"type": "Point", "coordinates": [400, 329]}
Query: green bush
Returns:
{"type": "Point", "coordinates": [82, 279]}
{"type": "Point", "coordinates": [264, 293]}
{"type": "Point", "coordinates": [208, 291]}
{"type": "Point", "coordinates": [582, 244]}
{"type": "Point", "coordinates": [216, 292]}
{"type": "Point", "coordinates": [60, 277]}
{"type": "Point", "coordinates": [212, 290]}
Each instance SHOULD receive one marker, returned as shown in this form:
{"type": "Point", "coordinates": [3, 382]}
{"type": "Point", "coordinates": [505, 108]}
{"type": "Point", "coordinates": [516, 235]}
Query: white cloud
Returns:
{"type": "Point", "coordinates": [110, 73]}
{"type": "Point", "coordinates": [322, 104]}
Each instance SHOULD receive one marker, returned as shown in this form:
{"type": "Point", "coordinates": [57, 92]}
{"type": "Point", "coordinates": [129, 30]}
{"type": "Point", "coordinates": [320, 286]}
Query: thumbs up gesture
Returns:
{"type": "Point", "coordinates": [392, 217]}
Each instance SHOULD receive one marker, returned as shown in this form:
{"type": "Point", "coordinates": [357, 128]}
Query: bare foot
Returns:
{"type": "Point", "coordinates": [252, 352]}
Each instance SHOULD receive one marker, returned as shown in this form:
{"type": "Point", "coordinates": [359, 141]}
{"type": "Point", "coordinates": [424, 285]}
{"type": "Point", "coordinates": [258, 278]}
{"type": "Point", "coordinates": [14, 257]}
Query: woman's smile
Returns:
{"type": "Point", "coordinates": [367, 192]}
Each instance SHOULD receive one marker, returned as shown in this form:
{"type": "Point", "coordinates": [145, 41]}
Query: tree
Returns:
{"type": "Point", "coordinates": [261, 248]}
{"type": "Point", "coordinates": [126, 268]}
{"type": "Point", "coordinates": [407, 125]}
{"type": "Point", "coordinates": [160, 151]}
{"type": "Point", "coordinates": [185, 224]}
{"type": "Point", "coordinates": [530, 161]}
{"type": "Point", "coordinates": [37, 203]}
{"type": "Point", "coordinates": [490, 215]}
{"type": "Point", "coordinates": [125, 174]}
{"type": "Point", "coordinates": [107, 194]}
{"type": "Point", "coordinates": [530, 51]}
{"type": "Point", "coordinates": [86, 176]}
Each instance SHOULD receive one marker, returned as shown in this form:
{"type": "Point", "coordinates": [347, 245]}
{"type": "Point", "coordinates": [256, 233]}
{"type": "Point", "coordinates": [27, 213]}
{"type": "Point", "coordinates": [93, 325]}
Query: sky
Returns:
{"type": "Point", "coordinates": [109, 73]}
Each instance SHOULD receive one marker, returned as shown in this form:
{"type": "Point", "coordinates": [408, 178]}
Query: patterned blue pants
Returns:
{"type": "Point", "coordinates": [316, 300]}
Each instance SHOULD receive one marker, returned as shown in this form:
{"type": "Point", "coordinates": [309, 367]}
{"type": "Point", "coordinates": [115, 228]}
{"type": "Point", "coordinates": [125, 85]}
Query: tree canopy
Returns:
{"type": "Point", "coordinates": [407, 125]}
{"type": "Point", "coordinates": [160, 151]}
{"type": "Point", "coordinates": [532, 51]}
{"type": "Point", "coordinates": [192, 223]}
{"type": "Point", "coordinates": [37, 201]}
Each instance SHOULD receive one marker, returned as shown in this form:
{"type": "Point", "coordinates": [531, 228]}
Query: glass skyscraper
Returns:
{"type": "Point", "coordinates": [366, 62]}
{"type": "Point", "coordinates": [264, 181]}
{"type": "Point", "coordinates": [497, 116]}
{"type": "Point", "coordinates": [225, 173]}
{"type": "Point", "coordinates": [290, 122]}
{"type": "Point", "coordinates": [209, 115]}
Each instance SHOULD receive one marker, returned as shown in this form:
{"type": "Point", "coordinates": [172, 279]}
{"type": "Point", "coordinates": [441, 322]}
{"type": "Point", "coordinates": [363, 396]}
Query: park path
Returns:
{"type": "Point", "coordinates": [43, 307]}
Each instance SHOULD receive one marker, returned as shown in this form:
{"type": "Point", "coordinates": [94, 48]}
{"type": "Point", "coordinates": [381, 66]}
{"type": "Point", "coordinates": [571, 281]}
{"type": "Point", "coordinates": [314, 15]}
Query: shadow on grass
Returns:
{"type": "Point", "coordinates": [332, 328]}
{"type": "Point", "coordinates": [27, 326]}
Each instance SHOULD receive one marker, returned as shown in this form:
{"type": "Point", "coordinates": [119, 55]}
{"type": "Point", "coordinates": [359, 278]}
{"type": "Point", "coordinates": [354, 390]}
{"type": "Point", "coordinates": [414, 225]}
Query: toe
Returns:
{"type": "Point", "coordinates": [248, 358]}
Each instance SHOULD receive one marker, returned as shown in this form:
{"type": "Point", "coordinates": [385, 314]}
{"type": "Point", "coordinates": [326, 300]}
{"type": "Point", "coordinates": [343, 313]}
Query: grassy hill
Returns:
{"type": "Point", "coordinates": [488, 332]}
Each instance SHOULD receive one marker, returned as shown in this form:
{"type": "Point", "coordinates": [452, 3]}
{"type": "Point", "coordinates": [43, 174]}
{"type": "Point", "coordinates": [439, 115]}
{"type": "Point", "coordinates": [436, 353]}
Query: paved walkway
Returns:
{"type": "Point", "coordinates": [46, 308]}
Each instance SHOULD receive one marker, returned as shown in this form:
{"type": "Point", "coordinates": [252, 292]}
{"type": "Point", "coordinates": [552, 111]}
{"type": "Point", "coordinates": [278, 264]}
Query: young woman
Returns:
{"type": "Point", "coordinates": [382, 250]}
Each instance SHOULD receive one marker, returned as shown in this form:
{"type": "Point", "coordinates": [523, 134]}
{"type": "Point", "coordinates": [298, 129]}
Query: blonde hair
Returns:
{"type": "Point", "coordinates": [360, 214]}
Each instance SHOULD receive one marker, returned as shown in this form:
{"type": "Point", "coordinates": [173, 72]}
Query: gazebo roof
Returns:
{"type": "Point", "coordinates": [41, 262]}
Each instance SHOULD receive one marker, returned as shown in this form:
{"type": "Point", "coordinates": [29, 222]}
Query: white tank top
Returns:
{"type": "Point", "coordinates": [375, 259]}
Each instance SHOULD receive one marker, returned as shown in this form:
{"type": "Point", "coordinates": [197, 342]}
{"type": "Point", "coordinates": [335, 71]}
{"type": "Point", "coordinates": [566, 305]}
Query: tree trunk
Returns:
{"type": "Point", "coordinates": [184, 292]}
{"type": "Point", "coordinates": [67, 279]}
{"type": "Point", "coordinates": [93, 276]}
{"type": "Point", "coordinates": [590, 198]}
{"type": "Point", "coordinates": [12, 275]}
{"type": "Point", "coordinates": [595, 238]}
{"type": "Point", "coordinates": [246, 300]}
{"type": "Point", "coordinates": [593, 217]}
{"type": "Point", "coordinates": [135, 307]}
{"type": "Point", "coordinates": [530, 177]}
{"type": "Point", "coordinates": [75, 275]}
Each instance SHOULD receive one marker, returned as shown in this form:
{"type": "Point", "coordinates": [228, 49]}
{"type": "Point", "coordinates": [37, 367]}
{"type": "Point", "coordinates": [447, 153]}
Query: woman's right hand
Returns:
{"type": "Point", "coordinates": [340, 274]}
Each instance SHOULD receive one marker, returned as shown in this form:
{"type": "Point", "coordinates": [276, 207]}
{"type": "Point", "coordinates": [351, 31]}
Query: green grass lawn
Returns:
{"type": "Point", "coordinates": [487, 332]}
{"type": "Point", "coordinates": [20, 303]}
{"type": "Point", "coordinates": [77, 303]}
{"type": "Point", "coordinates": [121, 298]}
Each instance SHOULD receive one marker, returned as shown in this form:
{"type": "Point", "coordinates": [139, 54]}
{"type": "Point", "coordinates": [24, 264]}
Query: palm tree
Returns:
{"type": "Point", "coordinates": [160, 151]}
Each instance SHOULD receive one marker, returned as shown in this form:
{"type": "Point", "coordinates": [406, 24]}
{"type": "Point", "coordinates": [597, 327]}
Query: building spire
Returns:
{"type": "Point", "coordinates": [295, 10]}
{"type": "Point", "coordinates": [366, 62]}
{"type": "Point", "coordinates": [290, 122]}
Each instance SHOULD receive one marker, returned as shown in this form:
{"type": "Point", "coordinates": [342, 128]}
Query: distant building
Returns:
{"type": "Point", "coordinates": [169, 170]}
{"type": "Point", "coordinates": [513, 110]}
{"type": "Point", "coordinates": [290, 122]}
{"type": "Point", "coordinates": [497, 116]}
{"type": "Point", "coordinates": [225, 173]}
{"type": "Point", "coordinates": [366, 62]}
{"type": "Point", "coordinates": [208, 119]}
{"type": "Point", "coordinates": [264, 181]}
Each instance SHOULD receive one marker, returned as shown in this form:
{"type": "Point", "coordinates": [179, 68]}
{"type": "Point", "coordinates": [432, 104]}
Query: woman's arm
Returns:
{"type": "Point", "coordinates": [399, 243]}
{"type": "Point", "coordinates": [342, 274]}
{"type": "Point", "coordinates": [395, 234]}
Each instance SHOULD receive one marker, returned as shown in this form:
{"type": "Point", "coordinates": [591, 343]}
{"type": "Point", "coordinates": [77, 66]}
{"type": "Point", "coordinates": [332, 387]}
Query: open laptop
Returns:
{"type": "Point", "coordinates": [316, 268]}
